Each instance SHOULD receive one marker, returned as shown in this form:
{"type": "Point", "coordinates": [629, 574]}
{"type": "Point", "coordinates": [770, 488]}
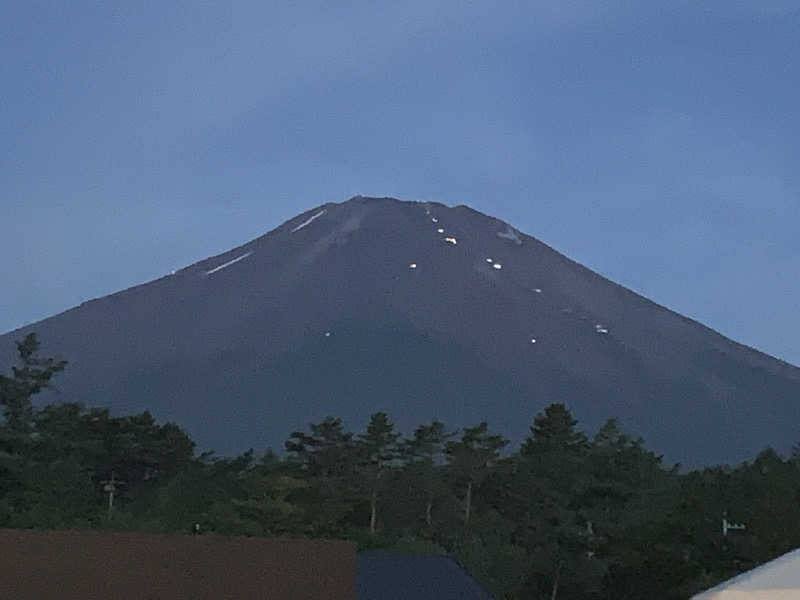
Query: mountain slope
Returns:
{"type": "Point", "coordinates": [423, 311]}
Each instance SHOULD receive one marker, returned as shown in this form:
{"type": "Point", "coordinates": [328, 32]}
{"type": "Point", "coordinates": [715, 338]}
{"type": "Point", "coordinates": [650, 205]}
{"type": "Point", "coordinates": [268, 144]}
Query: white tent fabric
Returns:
{"type": "Point", "coordinates": [778, 579]}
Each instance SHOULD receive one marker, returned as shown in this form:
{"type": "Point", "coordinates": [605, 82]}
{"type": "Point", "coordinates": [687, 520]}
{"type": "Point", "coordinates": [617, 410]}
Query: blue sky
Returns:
{"type": "Point", "coordinates": [655, 142]}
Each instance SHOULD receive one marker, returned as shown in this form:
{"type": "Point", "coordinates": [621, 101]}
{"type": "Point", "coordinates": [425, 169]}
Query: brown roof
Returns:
{"type": "Point", "coordinates": [84, 565]}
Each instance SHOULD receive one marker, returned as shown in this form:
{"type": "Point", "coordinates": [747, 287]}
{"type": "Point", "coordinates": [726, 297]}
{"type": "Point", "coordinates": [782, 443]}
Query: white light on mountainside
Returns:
{"type": "Point", "coordinates": [451, 240]}
{"type": "Point", "coordinates": [440, 230]}
{"type": "Point", "coordinates": [497, 266]}
{"type": "Point", "coordinates": [412, 266]}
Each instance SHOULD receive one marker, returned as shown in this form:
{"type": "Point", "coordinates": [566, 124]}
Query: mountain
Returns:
{"type": "Point", "coordinates": [426, 312]}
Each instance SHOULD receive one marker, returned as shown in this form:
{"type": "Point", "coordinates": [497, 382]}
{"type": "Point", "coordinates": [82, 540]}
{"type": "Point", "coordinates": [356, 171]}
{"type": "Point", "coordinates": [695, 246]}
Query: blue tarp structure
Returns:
{"type": "Point", "coordinates": [385, 575]}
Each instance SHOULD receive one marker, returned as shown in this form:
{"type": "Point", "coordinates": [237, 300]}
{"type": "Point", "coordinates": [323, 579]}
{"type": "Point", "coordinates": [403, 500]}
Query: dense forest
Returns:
{"type": "Point", "coordinates": [566, 515]}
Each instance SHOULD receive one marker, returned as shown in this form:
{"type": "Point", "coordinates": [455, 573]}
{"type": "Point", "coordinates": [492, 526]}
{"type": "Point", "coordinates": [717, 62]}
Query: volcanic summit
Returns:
{"type": "Point", "coordinates": [425, 312]}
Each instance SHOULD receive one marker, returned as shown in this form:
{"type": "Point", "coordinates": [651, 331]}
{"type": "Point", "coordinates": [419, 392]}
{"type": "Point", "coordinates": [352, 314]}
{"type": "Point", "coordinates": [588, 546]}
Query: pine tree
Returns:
{"type": "Point", "coordinates": [471, 457]}
{"type": "Point", "coordinates": [31, 377]}
{"type": "Point", "coordinates": [328, 460]}
{"type": "Point", "coordinates": [424, 452]}
{"type": "Point", "coordinates": [378, 449]}
{"type": "Point", "coordinates": [324, 452]}
{"type": "Point", "coordinates": [553, 430]}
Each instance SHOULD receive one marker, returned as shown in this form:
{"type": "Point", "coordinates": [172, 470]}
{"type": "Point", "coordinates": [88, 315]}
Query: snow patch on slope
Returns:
{"type": "Point", "coordinates": [308, 221]}
{"type": "Point", "coordinates": [229, 263]}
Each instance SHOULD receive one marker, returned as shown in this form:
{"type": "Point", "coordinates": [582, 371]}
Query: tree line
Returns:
{"type": "Point", "coordinates": [565, 515]}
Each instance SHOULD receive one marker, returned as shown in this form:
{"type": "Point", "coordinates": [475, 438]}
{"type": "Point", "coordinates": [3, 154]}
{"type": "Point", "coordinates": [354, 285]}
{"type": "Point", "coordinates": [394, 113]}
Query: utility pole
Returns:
{"type": "Point", "coordinates": [728, 526]}
{"type": "Point", "coordinates": [111, 487]}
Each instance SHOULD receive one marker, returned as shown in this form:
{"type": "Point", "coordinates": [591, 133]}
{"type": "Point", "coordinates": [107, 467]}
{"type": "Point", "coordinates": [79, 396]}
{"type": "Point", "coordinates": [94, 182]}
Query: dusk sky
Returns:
{"type": "Point", "coordinates": [657, 143]}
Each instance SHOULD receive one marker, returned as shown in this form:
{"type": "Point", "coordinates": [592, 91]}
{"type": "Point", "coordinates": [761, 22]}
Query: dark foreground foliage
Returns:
{"type": "Point", "coordinates": [565, 516]}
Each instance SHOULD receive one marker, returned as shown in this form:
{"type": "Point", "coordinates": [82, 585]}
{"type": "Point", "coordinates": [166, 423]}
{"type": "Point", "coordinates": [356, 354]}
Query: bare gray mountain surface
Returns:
{"type": "Point", "coordinates": [423, 311]}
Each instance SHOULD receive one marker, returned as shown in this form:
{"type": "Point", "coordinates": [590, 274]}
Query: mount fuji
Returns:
{"type": "Point", "coordinates": [423, 311]}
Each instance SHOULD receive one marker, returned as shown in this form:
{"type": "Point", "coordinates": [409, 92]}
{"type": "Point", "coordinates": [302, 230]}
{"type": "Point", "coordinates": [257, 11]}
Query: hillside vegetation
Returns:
{"type": "Point", "coordinates": [564, 515]}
